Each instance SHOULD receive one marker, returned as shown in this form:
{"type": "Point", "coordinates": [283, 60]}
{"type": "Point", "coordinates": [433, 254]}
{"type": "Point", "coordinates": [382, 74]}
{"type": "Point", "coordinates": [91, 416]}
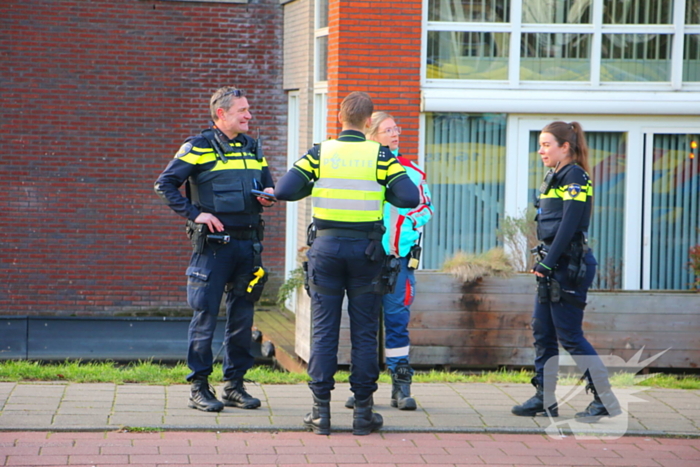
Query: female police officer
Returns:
{"type": "Point", "coordinates": [564, 273]}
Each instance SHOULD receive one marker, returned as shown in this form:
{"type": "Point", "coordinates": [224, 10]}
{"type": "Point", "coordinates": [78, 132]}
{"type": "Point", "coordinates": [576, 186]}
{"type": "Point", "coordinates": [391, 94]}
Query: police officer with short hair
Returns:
{"type": "Point", "coordinates": [349, 179]}
{"type": "Point", "coordinates": [565, 271]}
{"type": "Point", "coordinates": [220, 167]}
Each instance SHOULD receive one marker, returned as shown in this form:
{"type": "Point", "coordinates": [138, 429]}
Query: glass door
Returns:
{"type": "Point", "coordinates": [646, 194]}
{"type": "Point", "coordinates": [607, 159]}
{"type": "Point", "coordinates": [616, 161]}
{"type": "Point", "coordinates": [672, 207]}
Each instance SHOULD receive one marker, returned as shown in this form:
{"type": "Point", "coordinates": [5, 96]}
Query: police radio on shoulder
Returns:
{"type": "Point", "coordinates": [263, 194]}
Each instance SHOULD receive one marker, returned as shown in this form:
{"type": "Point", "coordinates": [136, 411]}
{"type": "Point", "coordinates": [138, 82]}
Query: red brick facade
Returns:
{"type": "Point", "coordinates": [96, 98]}
{"type": "Point", "coordinates": [375, 47]}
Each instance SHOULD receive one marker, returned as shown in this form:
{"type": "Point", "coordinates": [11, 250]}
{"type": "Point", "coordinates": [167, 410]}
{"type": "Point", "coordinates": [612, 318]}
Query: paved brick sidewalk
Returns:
{"type": "Point", "coordinates": [465, 408]}
{"type": "Point", "coordinates": [212, 449]}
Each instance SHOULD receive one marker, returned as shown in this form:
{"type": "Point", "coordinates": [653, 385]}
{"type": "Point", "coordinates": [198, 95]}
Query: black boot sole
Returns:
{"type": "Point", "coordinates": [317, 430]}
{"type": "Point", "coordinates": [250, 406]}
{"type": "Point", "coordinates": [596, 418]}
{"type": "Point", "coordinates": [534, 413]}
{"type": "Point", "coordinates": [366, 431]}
{"type": "Point", "coordinates": [404, 404]}
{"type": "Point", "coordinates": [204, 408]}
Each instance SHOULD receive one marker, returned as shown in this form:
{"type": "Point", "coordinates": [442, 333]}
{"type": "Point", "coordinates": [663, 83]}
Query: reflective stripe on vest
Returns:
{"type": "Point", "coordinates": [347, 189]}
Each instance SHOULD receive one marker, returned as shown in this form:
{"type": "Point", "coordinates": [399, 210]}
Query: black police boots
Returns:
{"type": "Point", "coordinates": [319, 419]}
{"type": "Point", "coordinates": [401, 388]}
{"type": "Point", "coordinates": [604, 404]}
{"type": "Point", "coordinates": [350, 403]}
{"type": "Point", "coordinates": [235, 395]}
{"type": "Point", "coordinates": [203, 396]}
{"type": "Point", "coordinates": [535, 405]}
{"type": "Point", "coordinates": [364, 420]}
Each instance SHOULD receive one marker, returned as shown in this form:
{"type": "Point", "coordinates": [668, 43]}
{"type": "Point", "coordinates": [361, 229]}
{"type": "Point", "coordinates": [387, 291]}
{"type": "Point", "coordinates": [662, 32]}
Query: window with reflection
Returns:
{"type": "Point", "coordinates": [468, 55]}
{"type": "Point", "coordinates": [636, 57]}
{"type": "Point", "coordinates": [557, 40]}
{"type": "Point", "coordinates": [481, 11]}
{"type": "Point", "coordinates": [555, 57]}
{"type": "Point", "coordinates": [557, 11]}
{"type": "Point", "coordinates": [691, 58]}
{"type": "Point", "coordinates": [637, 11]}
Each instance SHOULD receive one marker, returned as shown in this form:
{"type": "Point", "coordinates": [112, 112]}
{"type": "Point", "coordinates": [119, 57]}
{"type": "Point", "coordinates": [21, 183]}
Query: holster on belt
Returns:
{"type": "Point", "coordinates": [375, 250]}
{"type": "Point", "coordinates": [576, 270]}
{"type": "Point", "coordinates": [542, 289]}
{"type": "Point", "coordinates": [197, 233]}
{"type": "Point", "coordinates": [305, 266]}
{"type": "Point", "coordinates": [310, 234]}
{"type": "Point", "coordinates": [390, 274]}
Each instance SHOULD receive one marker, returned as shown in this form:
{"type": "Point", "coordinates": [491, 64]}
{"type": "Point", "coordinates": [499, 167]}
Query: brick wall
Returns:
{"type": "Point", "coordinates": [375, 47]}
{"type": "Point", "coordinates": [96, 98]}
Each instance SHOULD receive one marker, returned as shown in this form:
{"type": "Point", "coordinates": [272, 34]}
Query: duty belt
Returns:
{"type": "Point", "coordinates": [242, 234]}
{"type": "Point", "coordinates": [343, 233]}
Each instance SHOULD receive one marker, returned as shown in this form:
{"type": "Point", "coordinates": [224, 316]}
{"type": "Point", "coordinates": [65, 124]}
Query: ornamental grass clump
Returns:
{"type": "Point", "coordinates": [469, 267]}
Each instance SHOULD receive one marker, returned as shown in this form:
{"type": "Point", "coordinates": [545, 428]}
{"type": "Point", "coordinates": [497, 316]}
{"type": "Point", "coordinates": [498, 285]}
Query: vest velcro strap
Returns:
{"type": "Point", "coordinates": [350, 233]}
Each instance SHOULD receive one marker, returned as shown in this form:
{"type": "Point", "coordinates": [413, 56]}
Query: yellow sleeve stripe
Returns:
{"type": "Point", "coordinates": [304, 165]}
{"type": "Point", "coordinates": [241, 159]}
{"type": "Point", "coordinates": [194, 158]}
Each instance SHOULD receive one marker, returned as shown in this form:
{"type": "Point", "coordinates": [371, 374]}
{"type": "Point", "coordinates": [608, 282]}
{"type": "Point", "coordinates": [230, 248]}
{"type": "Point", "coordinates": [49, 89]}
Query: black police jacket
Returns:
{"type": "Point", "coordinates": [564, 210]}
{"type": "Point", "coordinates": [220, 186]}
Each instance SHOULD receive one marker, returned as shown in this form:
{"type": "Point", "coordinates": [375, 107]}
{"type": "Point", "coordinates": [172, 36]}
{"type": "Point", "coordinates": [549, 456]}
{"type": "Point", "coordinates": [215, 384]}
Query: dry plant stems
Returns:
{"type": "Point", "coordinates": [295, 280]}
{"type": "Point", "coordinates": [694, 264]}
{"type": "Point", "coordinates": [469, 267]}
{"type": "Point", "coordinates": [519, 236]}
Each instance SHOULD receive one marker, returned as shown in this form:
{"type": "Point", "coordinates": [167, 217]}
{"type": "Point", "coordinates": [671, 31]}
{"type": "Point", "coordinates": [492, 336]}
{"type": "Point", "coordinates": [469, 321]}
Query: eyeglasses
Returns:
{"type": "Point", "coordinates": [393, 131]}
{"type": "Point", "coordinates": [235, 92]}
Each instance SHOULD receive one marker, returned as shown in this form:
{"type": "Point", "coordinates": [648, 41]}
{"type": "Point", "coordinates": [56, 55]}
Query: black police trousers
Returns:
{"type": "Point", "coordinates": [562, 323]}
{"type": "Point", "coordinates": [339, 265]}
{"type": "Point", "coordinates": [207, 276]}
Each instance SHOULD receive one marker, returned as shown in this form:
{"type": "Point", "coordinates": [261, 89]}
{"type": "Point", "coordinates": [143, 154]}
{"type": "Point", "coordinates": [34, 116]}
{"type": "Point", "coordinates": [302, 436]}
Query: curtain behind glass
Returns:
{"type": "Point", "coordinates": [555, 57]}
{"type": "Point", "coordinates": [481, 11]}
{"type": "Point", "coordinates": [636, 57]}
{"type": "Point", "coordinates": [675, 210]}
{"type": "Point", "coordinates": [556, 11]}
{"type": "Point", "coordinates": [465, 165]}
{"type": "Point", "coordinates": [691, 58]}
{"type": "Point", "coordinates": [607, 153]}
{"type": "Point", "coordinates": [638, 11]}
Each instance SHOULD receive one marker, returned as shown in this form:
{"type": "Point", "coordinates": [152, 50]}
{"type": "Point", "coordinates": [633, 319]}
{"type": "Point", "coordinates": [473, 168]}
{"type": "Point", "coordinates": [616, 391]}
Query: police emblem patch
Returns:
{"type": "Point", "coordinates": [574, 190]}
{"type": "Point", "coordinates": [184, 149]}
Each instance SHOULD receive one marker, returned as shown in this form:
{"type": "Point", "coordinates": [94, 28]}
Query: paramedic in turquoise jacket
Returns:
{"type": "Point", "coordinates": [401, 239]}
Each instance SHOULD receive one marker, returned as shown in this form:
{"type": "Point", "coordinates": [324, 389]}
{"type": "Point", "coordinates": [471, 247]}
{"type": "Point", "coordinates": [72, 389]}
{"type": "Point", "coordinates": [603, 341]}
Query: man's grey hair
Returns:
{"type": "Point", "coordinates": [223, 98]}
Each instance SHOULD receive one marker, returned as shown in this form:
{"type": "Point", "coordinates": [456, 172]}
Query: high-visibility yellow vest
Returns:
{"type": "Point", "coordinates": [347, 189]}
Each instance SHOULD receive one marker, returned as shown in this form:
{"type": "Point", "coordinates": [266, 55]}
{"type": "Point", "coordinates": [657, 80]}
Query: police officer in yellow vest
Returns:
{"type": "Point", "coordinates": [349, 180]}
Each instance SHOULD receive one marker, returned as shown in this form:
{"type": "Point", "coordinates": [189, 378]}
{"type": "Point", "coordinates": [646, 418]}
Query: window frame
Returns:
{"type": "Point", "coordinates": [678, 30]}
